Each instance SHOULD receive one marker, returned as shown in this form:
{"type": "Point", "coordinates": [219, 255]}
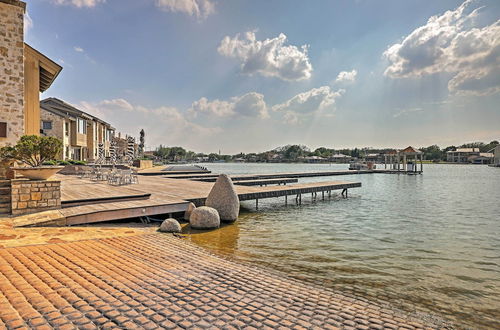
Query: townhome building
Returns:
{"type": "Point", "coordinates": [82, 134]}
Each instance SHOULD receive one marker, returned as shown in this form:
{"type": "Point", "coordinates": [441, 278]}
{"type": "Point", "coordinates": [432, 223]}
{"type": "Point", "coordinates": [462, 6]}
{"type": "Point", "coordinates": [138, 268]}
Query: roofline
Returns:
{"type": "Point", "coordinates": [58, 68]}
{"type": "Point", "coordinates": [72, 108]}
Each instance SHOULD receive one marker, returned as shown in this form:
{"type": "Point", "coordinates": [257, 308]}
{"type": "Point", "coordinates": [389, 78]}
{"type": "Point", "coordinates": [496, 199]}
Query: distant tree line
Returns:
{"type": "Point", "coordinates": [294, 153]}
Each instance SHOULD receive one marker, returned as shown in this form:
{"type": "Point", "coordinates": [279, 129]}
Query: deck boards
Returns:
{"type": "Point", "coordinates": [92, 201]}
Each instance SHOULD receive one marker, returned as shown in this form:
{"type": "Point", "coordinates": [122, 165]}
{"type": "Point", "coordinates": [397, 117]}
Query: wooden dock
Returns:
{"type": "Point", "coordinates": [86, 201]}
{"type": "Point", "coordinates": [263, 182]}
{"type": "Point", "coordinates": [211, 177]}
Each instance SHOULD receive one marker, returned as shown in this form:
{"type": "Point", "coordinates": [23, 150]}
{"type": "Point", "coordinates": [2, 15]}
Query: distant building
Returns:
{"type": "Point", "coordinates": [80, 132]}
{"type": "Point", "coordinates": [469, 155]}
{"type": "Point", "coordinates": [483, 158]}
{"type": "Point", "coordinates": [340, 158]}
{"type": "Point", "coordinates": [376, 158]}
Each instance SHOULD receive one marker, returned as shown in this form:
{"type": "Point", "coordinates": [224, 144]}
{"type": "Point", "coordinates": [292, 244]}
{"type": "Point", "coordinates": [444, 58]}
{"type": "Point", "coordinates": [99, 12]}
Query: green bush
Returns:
{"type": "Point", "coordinates": [50, 163]}
{"type": "Point", "coordinates": [78, 162]}
{"type": "Point", "coordinates": [63, 163]}
{"type": "Point", "coordinates": [7, 153]}
{"type": "Point", "coordinates": [34, 150]}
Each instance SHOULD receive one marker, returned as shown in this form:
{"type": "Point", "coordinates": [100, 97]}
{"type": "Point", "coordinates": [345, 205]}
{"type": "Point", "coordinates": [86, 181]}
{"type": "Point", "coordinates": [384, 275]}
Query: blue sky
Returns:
{"type": "Point", "coordinates": [253, 75]}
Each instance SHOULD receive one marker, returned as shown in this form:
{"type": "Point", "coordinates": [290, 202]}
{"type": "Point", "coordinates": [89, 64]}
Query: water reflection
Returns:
{"type": "Point", "coordinates": [223, 240]}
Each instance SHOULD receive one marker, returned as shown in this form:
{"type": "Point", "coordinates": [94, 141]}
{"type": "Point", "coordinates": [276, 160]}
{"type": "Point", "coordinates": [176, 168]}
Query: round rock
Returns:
{"type": "Point", "coordinates": [204, 218]}
{"type": "Point", "coordinates": [224, 199]}
{"type": "Point", "coordinates": [170, 226]}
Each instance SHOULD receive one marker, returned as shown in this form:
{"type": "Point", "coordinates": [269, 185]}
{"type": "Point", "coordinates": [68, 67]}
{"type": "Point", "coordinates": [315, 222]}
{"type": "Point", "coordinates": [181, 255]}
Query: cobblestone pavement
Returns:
{"type": "Point", "coordinates": [160, 281]}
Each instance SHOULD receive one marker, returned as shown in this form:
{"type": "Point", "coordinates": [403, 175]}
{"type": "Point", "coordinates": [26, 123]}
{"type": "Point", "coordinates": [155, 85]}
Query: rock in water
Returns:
{"type": "Point", "coordinates": [224, 199]}
{"type": "Point", "coordinates": [204, 218]}
{"type": "Point", "coordinates": [189, 210]}
{"type": "Point", "coordinates": [170, 226]}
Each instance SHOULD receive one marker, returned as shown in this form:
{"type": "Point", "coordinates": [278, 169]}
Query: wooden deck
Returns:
{"type": "Point", "coordinates": [86, 201]}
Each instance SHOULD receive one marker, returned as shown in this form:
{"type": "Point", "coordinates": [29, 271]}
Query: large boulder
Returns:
{"type": "Point", "coordinates": [204, 218]}
{"type": "Point", "coordinates": [170, 225]}
{"type": "Point", "coordinates": [224, 199]}
{"type": "Point", "coordinates": [189, 210]}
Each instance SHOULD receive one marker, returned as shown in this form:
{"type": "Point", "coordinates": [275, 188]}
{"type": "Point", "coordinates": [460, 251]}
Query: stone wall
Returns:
{"type": "Point", "coordinates": [142, 164]}
{"type": "Point", "coordinates": [57, 130]}
{"type": "Point", "coordinates": [12, 69]}
{"type": "Point", "coordinates": [30, 196]}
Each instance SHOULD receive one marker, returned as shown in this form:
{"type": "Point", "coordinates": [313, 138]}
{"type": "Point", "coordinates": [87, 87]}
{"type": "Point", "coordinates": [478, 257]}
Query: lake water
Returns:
{"type": "Point", "coordinates": [426, 242]}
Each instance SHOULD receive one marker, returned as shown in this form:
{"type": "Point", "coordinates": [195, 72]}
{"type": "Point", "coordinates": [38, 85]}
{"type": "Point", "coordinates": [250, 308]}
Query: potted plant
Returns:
{"type": "Point", "coordinates": [6, 162]}
{"type": "Point", "coordinates": [33, 151]}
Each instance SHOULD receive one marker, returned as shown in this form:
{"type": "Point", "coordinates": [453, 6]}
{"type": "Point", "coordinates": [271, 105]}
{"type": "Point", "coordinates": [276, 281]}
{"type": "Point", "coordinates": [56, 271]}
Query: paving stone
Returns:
{"type": "Point", "coordinates": [158, 281]}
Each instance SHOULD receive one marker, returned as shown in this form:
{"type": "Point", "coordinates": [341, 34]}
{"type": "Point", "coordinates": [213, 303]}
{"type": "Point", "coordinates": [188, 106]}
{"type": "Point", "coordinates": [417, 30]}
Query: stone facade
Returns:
{"type": "Point", "coordinates": [30, 196]}
{"type": "Point", "coordinates": [60, 129]}
{"type": "Point", "coordinates": [12, 69]}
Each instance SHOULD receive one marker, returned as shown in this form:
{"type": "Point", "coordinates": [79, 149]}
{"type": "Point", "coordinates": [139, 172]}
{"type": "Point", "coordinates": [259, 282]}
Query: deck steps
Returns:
{"type": "Point", "coordinates": [5, 198]}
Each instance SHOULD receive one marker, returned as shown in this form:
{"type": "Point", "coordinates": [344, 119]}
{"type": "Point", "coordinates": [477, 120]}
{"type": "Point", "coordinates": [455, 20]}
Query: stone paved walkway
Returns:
{"type": "Point", "coordinates": [160, 281]}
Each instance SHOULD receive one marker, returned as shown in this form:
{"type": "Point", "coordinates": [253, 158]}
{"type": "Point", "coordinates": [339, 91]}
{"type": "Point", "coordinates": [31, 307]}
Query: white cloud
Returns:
{"type": "Point", "coordinates": [199, 8]}
{"type": "Point", "coordinates": [160, 123]}
{"type": "Point", "coordinates": [248, 105]}
{"type": "Point", "coordinates": [290, 118]}
{"type": "Point", "coordinates": [452, 43]}
{"type": "Point", "coordinates": [270, 57]}
{"type": "Point", "coordinates": [317, 100]}
{"type": "Point", "coordinates": [28, 23]}
{"type": "Point", "coordinates": [78, 49]}
{"type": "Point", "coordinates": [346, 76]}
{"type": "Point", "coordinates": [79, 3]}
{"type": "Point", "coordinates": [118, 104]}
{"type": "Point", "coordinates": [405, 112]}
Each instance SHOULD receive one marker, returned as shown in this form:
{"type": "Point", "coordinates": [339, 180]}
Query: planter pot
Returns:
{"type": "Point", "coordinates": [38, 173]}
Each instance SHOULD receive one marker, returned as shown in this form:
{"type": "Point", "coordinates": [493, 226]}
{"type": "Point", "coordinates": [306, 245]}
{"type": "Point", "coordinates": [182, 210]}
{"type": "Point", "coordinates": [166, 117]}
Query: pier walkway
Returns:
{"type": "Point", "coordinates": [211, 177]}
{"type": "Point", "coordinates": [158, 281]}
{"type": "Point", "coordinates": [86, 201]}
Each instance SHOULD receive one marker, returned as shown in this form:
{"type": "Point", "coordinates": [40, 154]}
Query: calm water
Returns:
{"type": "Point", "coordinates": [428, 242]}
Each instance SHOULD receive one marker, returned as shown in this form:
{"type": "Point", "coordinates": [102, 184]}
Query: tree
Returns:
{"type": "Point", "coordinates": [34, 150]}
{"type": "Point", "coordinates": [433, 153]}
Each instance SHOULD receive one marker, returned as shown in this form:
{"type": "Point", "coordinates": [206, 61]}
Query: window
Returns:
{"type": "Point", "coordinates": [3, 129]}
{"type": "Point", "coordinates": [82, 126]}
{"type": "Point", "coordinates": [66, 128]}
{"type": "Point", "coordinates": [46, 125]}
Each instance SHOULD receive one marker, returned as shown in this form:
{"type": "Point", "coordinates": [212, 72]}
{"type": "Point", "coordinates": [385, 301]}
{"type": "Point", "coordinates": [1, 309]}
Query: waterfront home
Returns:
{"type": "Point", "coordinates": [469, 155]}
{"type": "Point", "coordinates": [340, 158]}
{"type": "Point", "coordinates": [375, 158]}
{"type": "Point", "coordinates": [81, 133]}
{"type": "Point", "coordinates": [25, 73]}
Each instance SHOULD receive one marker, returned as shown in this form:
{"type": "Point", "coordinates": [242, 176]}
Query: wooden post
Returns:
{"type": "Point", "coordinates": [323, 195]}
{"type": "Point", "coordinates": [286, 200]}
{"type": "Point", "coordinates": [256, 203]}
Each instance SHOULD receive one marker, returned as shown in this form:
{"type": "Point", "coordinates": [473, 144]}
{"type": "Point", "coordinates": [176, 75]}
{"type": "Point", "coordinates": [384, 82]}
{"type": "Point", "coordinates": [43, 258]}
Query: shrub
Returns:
{"type": "Point", "coordinates": [7, 153]}
{"type": "Point", "coordinates": [78, 162]}
{"type": "Point", "coordinates": [34, 150]}
{"type": "Point", "coordinates": [63, 163]}
{"type": "Point", "coordinates": [49, 163]}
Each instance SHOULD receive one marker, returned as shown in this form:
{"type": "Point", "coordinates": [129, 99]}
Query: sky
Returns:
{"type": "Point", "coordinates": [249, 76]}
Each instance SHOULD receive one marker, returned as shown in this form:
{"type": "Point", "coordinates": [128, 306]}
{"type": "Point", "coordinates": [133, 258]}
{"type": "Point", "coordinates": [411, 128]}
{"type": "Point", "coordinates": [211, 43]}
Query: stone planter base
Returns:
{"type": "Point", "coordinates": [30, 196]}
